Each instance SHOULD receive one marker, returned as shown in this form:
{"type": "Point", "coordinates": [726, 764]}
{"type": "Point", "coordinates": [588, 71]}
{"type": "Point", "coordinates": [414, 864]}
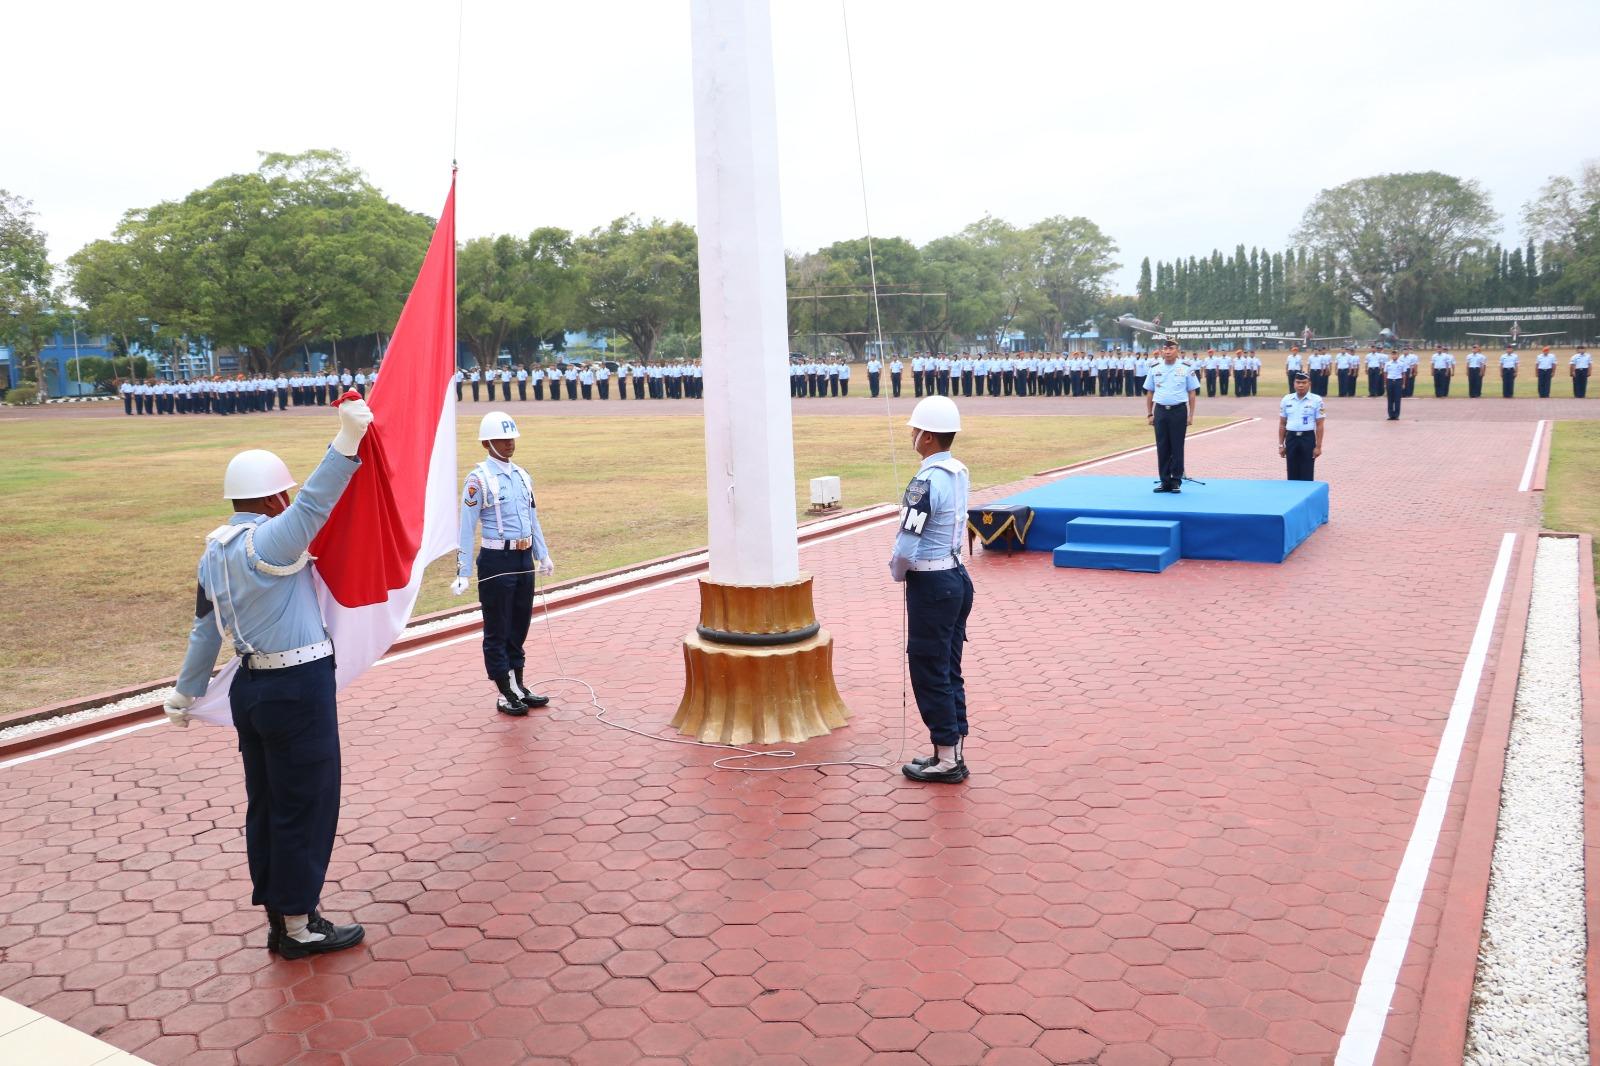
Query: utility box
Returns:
{"type": "Point", "coordinates": [824, 493]}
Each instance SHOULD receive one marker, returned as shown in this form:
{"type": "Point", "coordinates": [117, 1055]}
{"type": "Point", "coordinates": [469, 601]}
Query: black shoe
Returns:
{"type": "Point", "coordinates": [1161, 488]}
{"type": "Point", "coordinates": [953, 776]}
{"type": "Point", "coordinates": [334, 937]}
{"type": "Point", "coordinates": [515, 708]}
{"type": "Point", "coordinates": [1175, 490]}
{"type": "Point", "coordinates": [527, 697]}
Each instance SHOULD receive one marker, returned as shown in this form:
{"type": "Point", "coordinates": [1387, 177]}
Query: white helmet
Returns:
{"type": "Point", "coordinates": [497, 425]}
{"type": "Point", "coordinates": [935, 414]}
{"type": "Point", "coordinates": [255, 475]}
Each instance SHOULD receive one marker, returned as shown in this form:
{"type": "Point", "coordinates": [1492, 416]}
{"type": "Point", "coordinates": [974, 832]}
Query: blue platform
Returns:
{"type": "Point", "coordinates": [1120, 544]}
{"type": "Point", "coordinates": [1248, 521]}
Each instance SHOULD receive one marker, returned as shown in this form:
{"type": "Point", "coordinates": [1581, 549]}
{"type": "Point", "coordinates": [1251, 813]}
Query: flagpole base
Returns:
{"type": "Point", "coordinates": [758, 669]}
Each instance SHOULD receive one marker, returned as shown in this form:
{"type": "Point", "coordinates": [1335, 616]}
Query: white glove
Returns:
{"type": "Point", "coordinates": [177, 708]}
{"type": "Point", "coordinates": [547, 566]}
{"type": "Point", "coordinates": [458, 586]}
{"type": "Point", "coordinates": [354, 418]}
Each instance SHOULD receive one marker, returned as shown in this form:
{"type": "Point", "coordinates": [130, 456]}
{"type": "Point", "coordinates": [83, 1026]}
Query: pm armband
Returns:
{"type": "Point", "coordinates": [915, 507]}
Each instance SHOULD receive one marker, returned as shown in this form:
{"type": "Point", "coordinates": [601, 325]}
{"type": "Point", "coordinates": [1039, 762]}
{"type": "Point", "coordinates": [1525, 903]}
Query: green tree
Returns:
{"type": "Point", "coordinates": [302, 248]}
{"type": "Point", "coordinates": [508, 286]}
{"type": "Point", "coordinates": [27, 291]}
{"type": "Point", "coordinates": [1144, 292]}
{"type": "Point", "coordinates": [1397, 237]}
{"type": "Point", "coordinates": [642, 278]}
{"type": "Point", "coordinates": [1072, 260]}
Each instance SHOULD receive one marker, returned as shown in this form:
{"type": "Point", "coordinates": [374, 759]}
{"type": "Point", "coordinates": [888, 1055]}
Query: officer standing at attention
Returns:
{"type": "Point", "coordinates": [1394, 381]}
{"type": "Point", "coordinates": [522, 383]}
{"type": "Point", "coordinates": [1476, 361]}
{"type": "Point", "coordinates": [1508, 373]}
{"type": "Point", "coordinates": [499, 494]}
{"type": "Point", "coordinates": [1578, 371]}
{"type": "Point", "coordinates": [1171, 391]}
{"type": "Point", "coordinates": [456, 380]}
{"type": "Point", "coordinates": [255, 591]}
{"type": "Point", "coordinates": [927, 558]}
{"type": "Point", "coordinates": [126, 390]}
{"type": "Point", "coordinates": [475, 377]}
{"type": "Point", "coordinates": [1444, 368]}
{"type": "Point", "coordinates": [1544, 365]}
{"type": "Point", "coordinates": [895, 368]}
{"type": "Point", "coordinates": [1300, 421]}
{"type": "Point", "coordinates": [874, 372]}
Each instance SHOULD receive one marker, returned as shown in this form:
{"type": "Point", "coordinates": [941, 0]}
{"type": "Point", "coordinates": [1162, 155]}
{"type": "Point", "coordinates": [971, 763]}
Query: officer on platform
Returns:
{"type": "Point", "coordinates": [499, 494]}
{"type": "Point", "coordinates": [1301, 418]}
{"type": "Point", "coordinates": [927, 558]}
{"type": "Point", "coordinates": [1171, 390]}
{"type": "Point", "coordinates": [255, 591]}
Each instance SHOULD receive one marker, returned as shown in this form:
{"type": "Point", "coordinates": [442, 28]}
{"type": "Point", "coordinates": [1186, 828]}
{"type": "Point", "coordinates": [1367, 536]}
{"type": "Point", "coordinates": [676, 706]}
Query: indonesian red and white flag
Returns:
{"type": "Point", "coordinates": [399, 512]}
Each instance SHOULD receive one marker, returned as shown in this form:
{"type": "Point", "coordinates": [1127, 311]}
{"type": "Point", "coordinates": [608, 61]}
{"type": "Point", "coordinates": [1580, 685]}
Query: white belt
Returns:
{"type": "Point", "coordinates": [277, 660]}
{"type": "Point", "coordinates": [510, 545]}
{"type": "Point", "coordinates": [949, 562]}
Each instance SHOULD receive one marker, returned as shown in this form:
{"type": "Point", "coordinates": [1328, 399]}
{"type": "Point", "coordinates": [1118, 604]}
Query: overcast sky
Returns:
{"type": "Point", "coordinates": [573, 113]}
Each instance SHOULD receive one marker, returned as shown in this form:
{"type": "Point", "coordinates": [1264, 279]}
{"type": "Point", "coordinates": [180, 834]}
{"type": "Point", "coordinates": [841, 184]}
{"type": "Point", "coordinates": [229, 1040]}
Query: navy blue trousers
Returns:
{"type": "Point", "coordinates": [289, 742]}
{"type": "Point", "coordinates": [507, 600]}
{"type": "Point", "coordinates": [937, 605]}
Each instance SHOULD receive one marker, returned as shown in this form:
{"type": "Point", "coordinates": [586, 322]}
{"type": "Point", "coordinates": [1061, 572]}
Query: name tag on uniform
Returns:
{"type": "Point", "coordinates": [915, 507]}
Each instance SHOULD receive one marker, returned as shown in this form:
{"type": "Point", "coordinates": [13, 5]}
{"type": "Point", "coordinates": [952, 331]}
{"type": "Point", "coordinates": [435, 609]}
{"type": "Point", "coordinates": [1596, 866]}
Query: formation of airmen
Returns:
{"type": "Point", "coordinates": [1403, 365]}
{"type": "Point", "coordinates": [219, 395]}
{"type": "Point", "coordinates": [1113, 372]}
{"type": "Point", "coordinates": [681, 380]}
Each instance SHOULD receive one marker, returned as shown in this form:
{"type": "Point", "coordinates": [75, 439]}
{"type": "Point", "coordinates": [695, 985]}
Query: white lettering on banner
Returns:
{"type": "Point", "coordinates": [1540, 313]}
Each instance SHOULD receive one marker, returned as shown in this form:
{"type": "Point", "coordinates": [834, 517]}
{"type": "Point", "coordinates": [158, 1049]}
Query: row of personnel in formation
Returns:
{"type": "Point", "coordinates": [657, 381]}
{"type": "Point", "coordinates": [1115, 372]}
{"type": "Point", "coordinates": [1404, 366]}
{"type": "Point", "coordinates": [241, 395]}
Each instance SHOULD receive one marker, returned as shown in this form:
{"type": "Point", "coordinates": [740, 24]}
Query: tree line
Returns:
{"type": "Point", "coordinates": [305, 252]}
{"type": "Point", "coordinates": [1396, 251]}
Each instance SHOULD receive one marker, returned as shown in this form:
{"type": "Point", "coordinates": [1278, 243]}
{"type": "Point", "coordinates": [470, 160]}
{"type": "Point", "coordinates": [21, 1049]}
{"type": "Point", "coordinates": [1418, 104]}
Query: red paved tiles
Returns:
{"type": "Point", "coordinates": [1190, 795]}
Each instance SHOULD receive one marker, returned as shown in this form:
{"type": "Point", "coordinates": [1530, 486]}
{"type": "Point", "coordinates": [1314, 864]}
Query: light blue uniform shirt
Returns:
{"type": "Point", "coordinates": [1171, 384]}
{"type": "Point", "coordinates": [1299, 414]}
{"type": "Point", "coordinates": [506, 508]}
{"type": "Point", "coordinates": [933, 515]}
{"type": "Point", "coordinates": [261, 611]}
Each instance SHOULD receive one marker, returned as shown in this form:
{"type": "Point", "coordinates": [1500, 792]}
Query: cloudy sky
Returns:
{"type": "Point", "coordinates": [1175, 126]}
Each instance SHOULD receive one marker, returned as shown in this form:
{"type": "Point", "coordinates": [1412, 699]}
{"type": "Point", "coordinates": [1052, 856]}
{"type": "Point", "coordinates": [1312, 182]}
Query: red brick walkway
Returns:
{"type": "Point", "coordinates": [1190, 795]}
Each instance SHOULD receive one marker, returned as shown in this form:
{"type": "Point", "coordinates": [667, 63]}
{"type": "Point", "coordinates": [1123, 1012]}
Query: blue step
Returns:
{"type": "Point", "coordinates": [1144, 558]}
{"type": "Point", "coordinates": [1158, 532]}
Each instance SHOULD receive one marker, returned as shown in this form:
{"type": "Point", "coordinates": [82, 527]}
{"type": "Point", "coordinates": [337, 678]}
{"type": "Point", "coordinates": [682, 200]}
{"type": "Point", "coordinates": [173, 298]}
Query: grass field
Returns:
{"type": "Point", "coordinates": [104, 520]}
{"type": "Point", "coordinates": [1572, 488]}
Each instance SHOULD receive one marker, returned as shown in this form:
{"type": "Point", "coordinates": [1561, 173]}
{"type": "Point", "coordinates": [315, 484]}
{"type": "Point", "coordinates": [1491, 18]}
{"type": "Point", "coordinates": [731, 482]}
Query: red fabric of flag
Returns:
{"type": "Point", "coordinates": [371, 541]}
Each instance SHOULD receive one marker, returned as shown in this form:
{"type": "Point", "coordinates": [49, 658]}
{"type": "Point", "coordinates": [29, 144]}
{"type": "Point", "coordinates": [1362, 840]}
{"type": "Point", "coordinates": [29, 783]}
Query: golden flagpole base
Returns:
{"type": "Point", "coordinates": [758, 669]}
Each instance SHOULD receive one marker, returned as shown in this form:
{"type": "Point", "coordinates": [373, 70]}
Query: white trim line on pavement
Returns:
{"type": "Point", "coordinates": [1359, 1044]}
{"type": "Point", "coordinates": [74, 745]}
{"type": "Point", "coordinates": [1533, 457]}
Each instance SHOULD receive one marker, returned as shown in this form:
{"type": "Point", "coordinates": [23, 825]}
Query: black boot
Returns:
{"type": "Point", "coordinates": [334, 937]}
{"type": "Point", "coordinates": [528, 698]}
{"type": "Point", "coordinates": [509, 702]}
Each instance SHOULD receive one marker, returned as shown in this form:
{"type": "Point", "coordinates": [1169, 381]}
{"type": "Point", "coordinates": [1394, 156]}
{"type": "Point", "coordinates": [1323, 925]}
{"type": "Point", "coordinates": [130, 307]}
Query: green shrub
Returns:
{"type": "Point", "coordinates": [23, 394]}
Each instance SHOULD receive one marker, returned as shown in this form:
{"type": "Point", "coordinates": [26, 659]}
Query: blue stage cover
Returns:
{"type": "Point", "coordinates": [1248, 521]}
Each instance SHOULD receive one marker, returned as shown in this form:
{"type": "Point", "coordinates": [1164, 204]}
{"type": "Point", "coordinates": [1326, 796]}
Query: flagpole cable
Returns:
{"type": "Point", "coordinates": [877, 317]}
{"type": "Point", "coordinates": [455, 125]}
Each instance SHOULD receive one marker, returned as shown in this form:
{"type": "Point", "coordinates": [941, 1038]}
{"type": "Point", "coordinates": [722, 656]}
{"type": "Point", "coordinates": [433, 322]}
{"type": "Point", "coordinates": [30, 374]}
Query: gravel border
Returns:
{"type": "Point", "coordinates": [1528, 1003]}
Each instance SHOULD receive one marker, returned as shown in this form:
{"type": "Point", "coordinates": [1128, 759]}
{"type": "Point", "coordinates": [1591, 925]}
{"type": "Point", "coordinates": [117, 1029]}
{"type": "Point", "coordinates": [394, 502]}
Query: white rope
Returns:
{"type": "Point", "coordinates": [877, 317]}
{"type": "Point", "coordinates": [455, 125]}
